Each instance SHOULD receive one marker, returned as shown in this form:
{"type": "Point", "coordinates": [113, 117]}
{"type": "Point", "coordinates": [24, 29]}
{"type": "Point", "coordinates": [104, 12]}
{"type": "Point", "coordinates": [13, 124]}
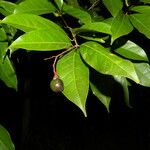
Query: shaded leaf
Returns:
{"type": "Point", "coordinates": [7, 8]}
{"type": "Point", "coordinates": [105, 62]}
{"type": "Point", "coordinates": [124, 83]}
{"type": "Point", "coordinates": [59, 3]}
{"type": "Point", "coordinates": [7, 72]}
{"type": "Point", "coordinates": [96, 26]}
{"type": "Point", "coordinates": [141, 9]}
{"type": "Point", "coordinates": [132, 51]}
{"type": "Point", "coordinates": [80, 14]}
{"type": "Point", "coordinates": [75, 76]}
{"type": "Point", "coordinates": [145, 1]}
{"type": "Point", "coordinates": [37, 7]}
{"type": "Point", "coordinates": [113, 6]}
{"type": "Point", "coordinates": [42, 40]}
{"type": "Point", "coordinates": [101, 40]}
{"type": "Point", "coordinates": [101, 86]}
{"type": "Point", "coordinates": [143, 72]}
{"type": "Point", "coordinates": [73, 3]}
{"type": "Point", "coordinates": [121, 26]}
{"type": "Point", "coordinates": [142, 23]}
{"type": "Point", "coordinates": [103, 98]}
{"type": "Point", "coordinates": [29, 22]}
{"type": "Point", "coordinates": [5, 140]}
{"type": "Point", "coordinates": [3, 35]}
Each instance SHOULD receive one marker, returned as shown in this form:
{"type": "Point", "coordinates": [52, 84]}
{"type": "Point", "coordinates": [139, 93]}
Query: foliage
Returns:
{"type": "Point", "coordinates": [5, 140]}
{"type": "Point", "coordinates": [87, 45]}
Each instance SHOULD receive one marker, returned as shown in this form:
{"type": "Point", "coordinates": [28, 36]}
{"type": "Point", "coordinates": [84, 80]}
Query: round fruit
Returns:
{"type": "Point", "coordinates": [57, 85]}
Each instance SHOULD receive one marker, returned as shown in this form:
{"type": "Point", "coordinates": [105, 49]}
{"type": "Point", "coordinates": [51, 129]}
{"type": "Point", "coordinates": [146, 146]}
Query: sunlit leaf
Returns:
{"type": "Point", "coordinates": [5, 140]}
{"type": "Point", "coordinates": [105, 62]}
{"type": "Point", "coordinates": [142, 23]}
{"type": "Point", "coordinates": [95, 26]}
{"type": "Point", "coordinates": [124, 83]}
{"type": "Point", "coordinates": [42, 40]}
{"type": "Point", "coordinates": [121, 26]}
{"type": "Point", "coordinates": [132, 51]}
{"type": "Point", "coordinates": [29, 22]}
{"type": "Point", "coordinates": [7, 72]}
{"type": "Point", "coordinates": [113, 6]}
{"type": "Point", "coordinates": [75, 76]}
{"type": "Point", "coordinates": [141, 9]}
{"type": "Point", "coordinates": [143, 72]}
{"type": "Point", "coordinates": [80, 14]}
{"type": "Point", "coordinates": [37, 7]}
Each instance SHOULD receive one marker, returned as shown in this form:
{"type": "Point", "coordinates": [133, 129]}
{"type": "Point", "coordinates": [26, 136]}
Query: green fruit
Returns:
{"type": "Point", "coordinates": [57, 85]}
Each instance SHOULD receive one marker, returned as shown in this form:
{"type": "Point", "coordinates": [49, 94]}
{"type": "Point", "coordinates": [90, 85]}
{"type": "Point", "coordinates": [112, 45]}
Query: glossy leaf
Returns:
{"type": "Point", "coordinates": [7, 72]}
{"type": "Point", "coordinates": [42, 40]}
{"type": "Point", "coordinates": [124, 83]}
{"type": "Point", "coordinates": [3, 35]}
{"type": "Point", "coordinates": [143, 72]}
{"type": "Point", "coordinates": [113, 6]}
{"type": "Point", "coordinates": [83, 16]}
{"type": "Point", "coordinates": [121, 26]}
{"type": "Point", "coordinates": [37, 7]}
{"type": "Point", "coordinates": [142, 23]}
{"type": "Point", "coordinates": [96, 26]}
{"type": "Point", "coordinates": [7, 7]}
{"type": "Point", "coordinates": [141, 9]}
{"type": "Point", "coordinates": [105, 62]}
{"type": "Point", "coordinates": [5, 140]}
{"type": "Point", "coordinates": [29, 22]}
{"type": "Point", "coordinates": [59, 3]}
{"type": "Point", "coordinates": [132, 51]}
{"type": "Point", "coordinates": [75, 76]}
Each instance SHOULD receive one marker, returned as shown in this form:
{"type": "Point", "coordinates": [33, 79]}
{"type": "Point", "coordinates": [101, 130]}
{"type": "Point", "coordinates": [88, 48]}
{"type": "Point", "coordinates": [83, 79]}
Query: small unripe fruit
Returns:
{"type": "Point", "coordinates": [57, 85]}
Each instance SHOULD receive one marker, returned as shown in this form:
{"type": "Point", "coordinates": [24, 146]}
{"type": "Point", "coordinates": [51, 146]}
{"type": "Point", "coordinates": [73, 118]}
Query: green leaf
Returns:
{"type": "Point", "coordinates": [101, 86]}
{"type": "Point", "coordinates": [105, 62]}
{"type": "Point", "coordinates": [121, 26]}
{"type": "Point", "coordinates": [143, 72]}
{"type": "Point", "coordinates": [103, 98]}
{"type": "Point", "coordinates": [7, 7]}
{"type": "Point", "coordinates": [142, 23]}
{"type": "Point", "coordinates": [73, 3]}
{"type": "Point", "coordinates": [3, 35]}
{"type": "Point", "coordinates": [37, 7]}
{"type": "Point", "coordinates": [59, 3]}
{"type": "Point", "coordinates": [145, 1]}
{"type": "Point", "coordinates": [113, 6]}
{"type": "Point", "coordinates": [141, 9]}
{"type": "Point", "coordinates": [5, 140]}
{"type": "Point", "coordinates": [124, 83]}
{"type": "Point", "coordinates": [80, 14]}
{"type": "Point", "coordinates": [132, 51]}
{"type": "Point", "coordinates": [7, 72]}
{"type": "Point", "coordinates": [101, 40]}
{"type": "Point", "coordinates": [75, 76]}
{"type": "Point", "coordinates": [42, 40]}
{"type": "Point", "coordinates": [96, 26]}
{"type": "Point", "coordinates": [29, 22]}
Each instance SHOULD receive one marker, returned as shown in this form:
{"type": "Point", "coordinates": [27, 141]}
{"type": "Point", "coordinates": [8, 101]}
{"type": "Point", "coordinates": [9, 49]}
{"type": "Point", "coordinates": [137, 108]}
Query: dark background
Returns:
{"type": "Point", "coordinates": [39, 119]}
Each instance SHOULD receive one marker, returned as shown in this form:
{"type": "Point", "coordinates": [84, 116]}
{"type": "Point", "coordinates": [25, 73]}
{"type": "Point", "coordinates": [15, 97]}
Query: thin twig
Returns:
{"type": "Point", "coordinates": [94, 4]}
